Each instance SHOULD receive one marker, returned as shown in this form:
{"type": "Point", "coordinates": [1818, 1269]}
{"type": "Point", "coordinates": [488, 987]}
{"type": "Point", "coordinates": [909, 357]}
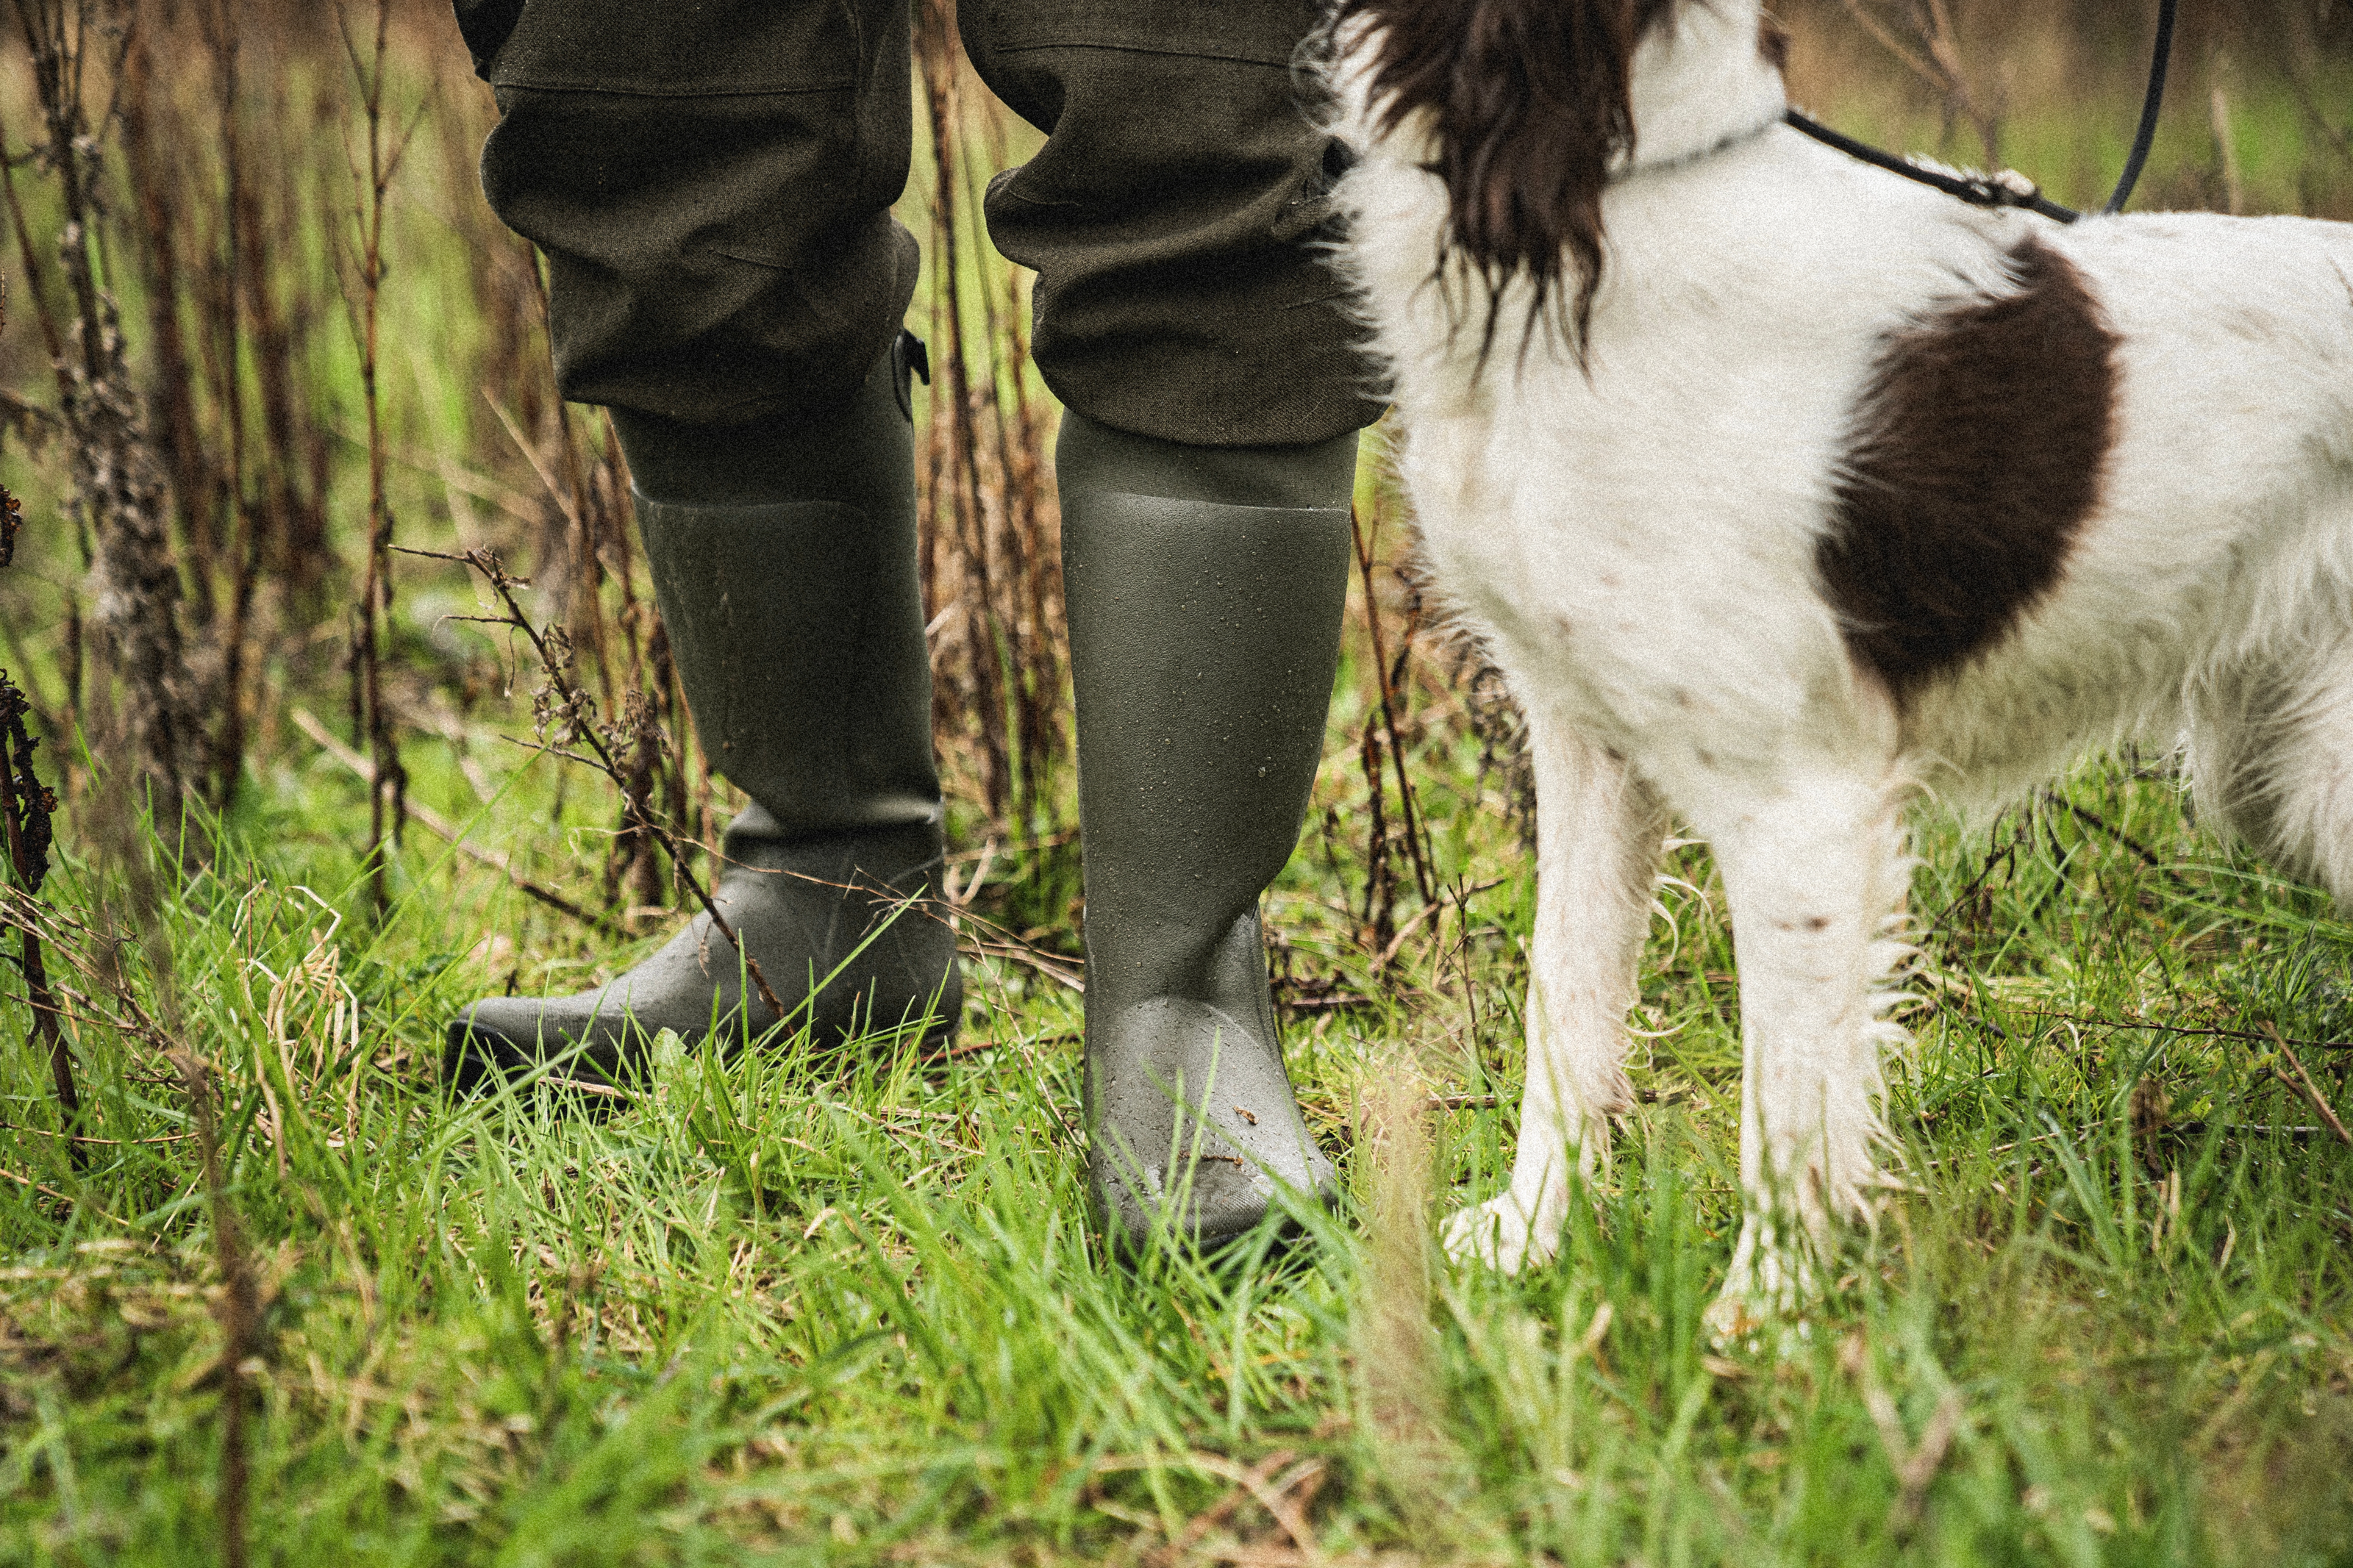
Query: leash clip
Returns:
{"type": "Point", "coordinates": [2008, 188]}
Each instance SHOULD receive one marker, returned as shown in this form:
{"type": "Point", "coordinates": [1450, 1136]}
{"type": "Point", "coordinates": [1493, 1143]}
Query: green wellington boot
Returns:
{"type": "Point", "coordinates": [785, 571]}
{"type": "Point", "coordinates": [1205, 589]}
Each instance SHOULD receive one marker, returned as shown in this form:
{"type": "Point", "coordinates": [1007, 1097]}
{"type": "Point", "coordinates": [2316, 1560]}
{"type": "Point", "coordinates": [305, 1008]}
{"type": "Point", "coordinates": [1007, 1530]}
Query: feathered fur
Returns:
{"type": "Point", "coordinates": [1834, 488]}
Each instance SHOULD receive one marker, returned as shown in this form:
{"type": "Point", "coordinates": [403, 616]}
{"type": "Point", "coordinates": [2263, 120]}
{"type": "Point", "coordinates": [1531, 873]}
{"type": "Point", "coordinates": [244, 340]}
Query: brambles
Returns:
{"type": "Point", "coordinates": [120, 489]}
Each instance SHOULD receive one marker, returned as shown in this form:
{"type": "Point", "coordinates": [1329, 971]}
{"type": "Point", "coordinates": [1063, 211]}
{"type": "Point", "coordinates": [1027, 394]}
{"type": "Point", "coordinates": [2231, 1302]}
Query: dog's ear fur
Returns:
{"type": "Point", "coordinates": [1528, 106]}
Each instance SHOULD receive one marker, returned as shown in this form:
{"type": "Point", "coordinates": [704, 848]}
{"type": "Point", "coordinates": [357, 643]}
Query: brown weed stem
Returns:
{"type": "Point", "coordinates": [24, 808]}
{"type": "Point", "coordinates": [238, 1309]}
{"type": "Point", "coordinates": [388, 779]}
{"type": "Point", "coordinates": [568, 713]}
{"type": "Point", "coordinates": [1387, 676]}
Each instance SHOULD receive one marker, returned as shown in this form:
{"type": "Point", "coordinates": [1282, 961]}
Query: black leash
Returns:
{"type": "Point", "coordinates": [2016, 190]}
{"type": "Point", "coordinates": [2146, 134]}
{"type": "Point", "coordinates": [1978, 190]}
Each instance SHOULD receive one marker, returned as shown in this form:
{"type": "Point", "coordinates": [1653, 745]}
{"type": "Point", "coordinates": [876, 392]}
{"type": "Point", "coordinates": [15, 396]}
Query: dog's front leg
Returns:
{"type": "Point", "coordinates": [1598, 834]}
{"type": "Point", "coordinates": [1815, 870]}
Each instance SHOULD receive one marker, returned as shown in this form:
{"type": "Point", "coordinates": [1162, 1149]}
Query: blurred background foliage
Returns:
{"type": "Point", "coordinates": [262, 330]}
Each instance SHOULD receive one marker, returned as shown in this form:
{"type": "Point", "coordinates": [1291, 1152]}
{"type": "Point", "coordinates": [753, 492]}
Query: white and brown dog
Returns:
{"type": "Point", "coordinates": [1782, 489]}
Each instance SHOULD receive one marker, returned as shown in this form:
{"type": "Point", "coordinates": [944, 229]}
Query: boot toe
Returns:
{"type": "Point", "coordinates": [495, 1038]}
{"type": "Point", "coordinates": [506, 1037]}
{"type": "Point", "coordinates": [1226, 1198]}
{"type": "Point", "coordinates": [1242, 1139]}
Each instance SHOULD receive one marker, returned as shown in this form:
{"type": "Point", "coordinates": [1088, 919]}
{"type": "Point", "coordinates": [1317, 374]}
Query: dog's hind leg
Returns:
{"type": "Point", "coordinates": [2271, 757]}
{"type": "Point", "coordinates": [1815, 870]}
{"type": "Point", "coordinates": [1599, 829]}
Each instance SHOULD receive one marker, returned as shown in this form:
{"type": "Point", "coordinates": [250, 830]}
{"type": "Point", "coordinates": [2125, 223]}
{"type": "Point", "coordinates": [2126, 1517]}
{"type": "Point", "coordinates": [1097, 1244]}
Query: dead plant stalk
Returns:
{"type": "Point", "coordinates": [1937, 62]}
{"type": "Point", "coordinates": [570, 713]}
{"type": "Point", "coordinates": [120, 488]}
{"type": "Point", "coordinates": [956, 438]}
{"type": "Point", "coordinates": [1366, 542]}
{"type": "Point", "coordinates": [238, 1309]}
{"type": "Point", "coordinates": [388, 788]}
{"type": "Point", "coordinates": [244, 544]}
{"type": "Point", "coordinates": [24, 808]}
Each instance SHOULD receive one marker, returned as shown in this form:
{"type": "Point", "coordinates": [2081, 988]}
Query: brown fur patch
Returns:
{"type": "Point", "coordinates": [1772, 41]}
{"type": "Point", "coordinates": [1529, 101]}
{"type": "Point", "coordinates": [1978, 451]}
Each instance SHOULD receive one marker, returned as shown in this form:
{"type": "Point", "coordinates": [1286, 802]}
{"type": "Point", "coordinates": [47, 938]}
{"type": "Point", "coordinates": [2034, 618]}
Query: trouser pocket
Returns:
{"type": "Point", "coordinates": [1179, 295]}
{"type": "Point", "coordinates": [711, 184]}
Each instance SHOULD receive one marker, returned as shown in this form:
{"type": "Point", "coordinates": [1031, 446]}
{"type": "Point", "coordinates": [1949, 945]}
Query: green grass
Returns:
{"type": "Point", "coordinates": [788, 1309]}
{"type": "Point", "coordinates": [797, 1310]}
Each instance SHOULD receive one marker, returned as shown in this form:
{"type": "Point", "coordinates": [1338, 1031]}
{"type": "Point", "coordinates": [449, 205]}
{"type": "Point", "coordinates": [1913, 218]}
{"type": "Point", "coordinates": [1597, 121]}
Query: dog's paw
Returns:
{"type": "Point", "coordinates": [1760, 1306]}
{"type": "Point", "coordinates": [1755, 1331]}
{"type": "Point", "coordinates": [1748, 1324]}
{"type": "Point", "coordinates": [1499, 1234]}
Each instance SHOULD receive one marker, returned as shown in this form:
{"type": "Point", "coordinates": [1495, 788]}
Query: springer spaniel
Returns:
{"type": "Point", "coordinates": [1782, 490]}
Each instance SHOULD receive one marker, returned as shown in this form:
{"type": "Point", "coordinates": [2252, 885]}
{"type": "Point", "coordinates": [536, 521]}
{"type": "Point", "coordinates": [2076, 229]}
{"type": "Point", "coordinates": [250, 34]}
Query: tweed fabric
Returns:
{"type": "Point", "coordinates": [711, 181]}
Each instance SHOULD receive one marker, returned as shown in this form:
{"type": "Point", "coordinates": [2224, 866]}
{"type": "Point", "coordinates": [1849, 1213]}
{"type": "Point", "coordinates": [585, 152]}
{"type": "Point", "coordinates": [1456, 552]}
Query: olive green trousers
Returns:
{"type": "Point", "coordinates": [711, 182]}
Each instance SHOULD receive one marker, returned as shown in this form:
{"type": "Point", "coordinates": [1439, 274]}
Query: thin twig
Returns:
{"type": "Point", "coordinates": [46, 1191]}
{"type": "Point", "coordinates": [1026, 846]}
{"type": "Point", "coordinates": [2182, 1029]}
{"type": "Point", "coordinates": [1885, 38]}
{"type": "Point", "coordinates": [2303, 1083]}
{"type": "Point", "coordinates": [1996, 1149]}
{"type": "Point", "coordinates": [1265, 1478]}
{"type": "Point", "coordinates": [570, 713]}
{"type": "Point", "coordinates": [2006, 854]}
{"type": "Point", "coordinates": [1278, 1507]}
{"type": "Point", "coordinates": [1397, 944]}
{"type": "Point", "coordinates": [604, 1090]}
{"type": "Point", "coordinates": [1062, 971]}
{"type": "Point", "coordinates": [2148, 857]}
{"type": "Point", "coordinates": [101, 1143]}
{"type": "Point", "coordinates": [1407, 805]}
{"type": "Point", "coordinates": [1940, 68]}
{"type": "Point", "coordinates": [441, 827]}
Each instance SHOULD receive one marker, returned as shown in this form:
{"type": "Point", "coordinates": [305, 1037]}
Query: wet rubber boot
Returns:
{"type": "Point", "coordinates": [1205, 588]}
{"type": "Point", "coordinates": [783, 561]}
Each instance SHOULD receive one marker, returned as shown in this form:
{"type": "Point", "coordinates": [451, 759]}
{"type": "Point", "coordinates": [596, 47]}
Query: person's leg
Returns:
{"type": "Point", "coordinates": [1204, 587]}
{"type": "Point", "coordinates": [710, 184]}
{"type": "Point", "coordinates": [1174, 217]}
{"type": "Point", "coordinates": [1205, 467]}
{"type": "Point", "coordinates": [713, 200]}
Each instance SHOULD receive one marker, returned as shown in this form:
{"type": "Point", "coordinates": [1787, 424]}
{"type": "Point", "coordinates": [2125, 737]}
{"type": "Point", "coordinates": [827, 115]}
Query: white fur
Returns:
{"type": "Point", "coordinates": [1638, 546]}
